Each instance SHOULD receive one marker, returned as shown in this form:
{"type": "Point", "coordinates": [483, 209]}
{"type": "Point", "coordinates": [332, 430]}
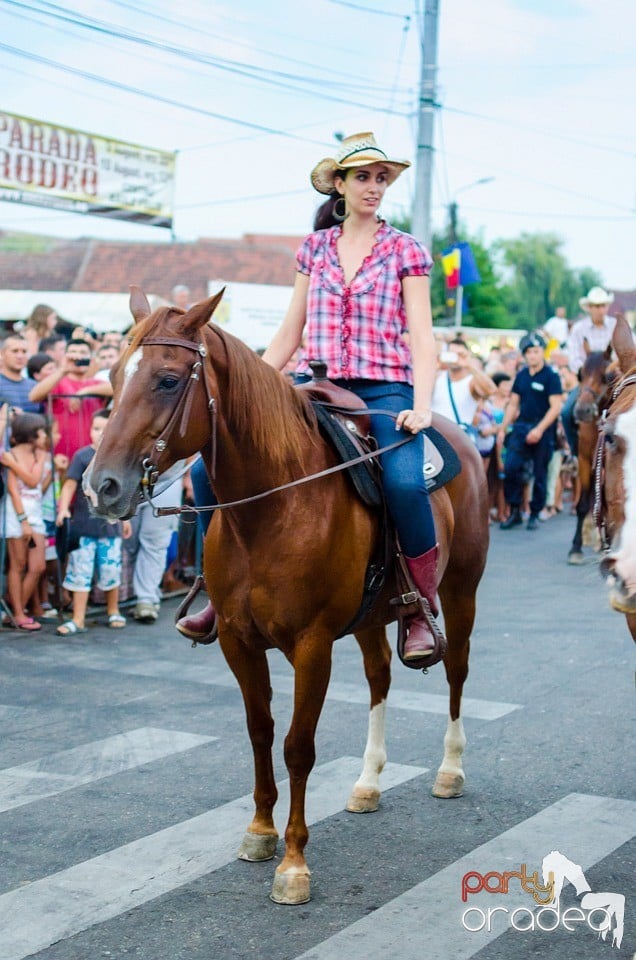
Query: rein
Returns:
{"type": "Point", "coordinates": [181, 414]}
{"type": "Point", "coordinates": [599, 508]}
{"type": "Point", "coordinates": [171, 511]}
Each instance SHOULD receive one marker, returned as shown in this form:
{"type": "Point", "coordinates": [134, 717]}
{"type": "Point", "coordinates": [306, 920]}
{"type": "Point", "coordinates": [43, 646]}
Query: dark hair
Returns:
{"type": "Point", "coordinates": [37, 362]}
{"type": "Point", "coordinates": [77, 342]}
{"type": "Point", "coordinates": [103, 413]}
{"type": "Point", "coordinates": [459, 342]}
{"type": "Point", "coordinates": [50, 341]}
{"type": "Point", "coordinates": [324, 217]}
{"type": "Point", "coordinates": [25, 427]}
{"type": "Point", "coordinates": [11, 336]}
{"type": "Point", "coordinates": [500, 377]}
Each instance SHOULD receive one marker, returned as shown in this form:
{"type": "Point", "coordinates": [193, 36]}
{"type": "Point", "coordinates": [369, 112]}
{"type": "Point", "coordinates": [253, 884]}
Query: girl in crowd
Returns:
{"type": "Point", "coordinates": [39, 325]}
{"type": "Point", "coordinates": [24, 526]}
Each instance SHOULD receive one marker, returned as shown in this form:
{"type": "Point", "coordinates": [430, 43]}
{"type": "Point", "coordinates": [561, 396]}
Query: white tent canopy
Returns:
{"type": "Point", "coordinates": [98, 311]}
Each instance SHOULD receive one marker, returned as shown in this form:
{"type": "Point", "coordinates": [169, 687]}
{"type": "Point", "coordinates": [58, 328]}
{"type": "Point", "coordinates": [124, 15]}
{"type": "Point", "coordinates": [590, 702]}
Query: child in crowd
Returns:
{"type": "Point", "coordinates": [99, 541]}
{"type": "Point", "coordinates": [55, 468]}
{"type": "Point", "coordinates": [23, 523]}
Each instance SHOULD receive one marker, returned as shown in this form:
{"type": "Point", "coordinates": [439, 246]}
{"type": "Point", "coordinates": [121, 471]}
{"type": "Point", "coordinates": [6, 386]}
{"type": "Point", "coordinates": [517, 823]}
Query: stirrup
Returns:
{"type": "Point", "coordinates": [184, 607]}
{"type": "Point", "coordinates": [411, 605]}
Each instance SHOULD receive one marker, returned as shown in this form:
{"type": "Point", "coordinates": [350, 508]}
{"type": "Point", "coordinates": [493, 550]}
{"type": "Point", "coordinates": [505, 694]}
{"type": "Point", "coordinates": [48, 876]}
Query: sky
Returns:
{"type": "Point", "coordinates": [537, 97]}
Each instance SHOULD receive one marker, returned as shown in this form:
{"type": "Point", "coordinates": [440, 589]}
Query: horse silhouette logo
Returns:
{"type": "Point", "coordinates": [558, 869]}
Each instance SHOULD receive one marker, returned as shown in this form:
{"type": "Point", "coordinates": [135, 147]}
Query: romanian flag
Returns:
{"type": "Point", "coordinates": [451, 264]}
{"type": "Point", "coordinates": [459, 266]}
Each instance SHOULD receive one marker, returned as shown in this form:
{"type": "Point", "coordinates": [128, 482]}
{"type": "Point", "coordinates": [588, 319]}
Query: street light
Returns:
{"type": "Point", "coordinates": [452, 207]}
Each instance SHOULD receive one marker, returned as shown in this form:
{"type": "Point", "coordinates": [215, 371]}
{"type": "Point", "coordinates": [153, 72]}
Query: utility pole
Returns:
{"type": "Point", "coordinates": [421, 218]}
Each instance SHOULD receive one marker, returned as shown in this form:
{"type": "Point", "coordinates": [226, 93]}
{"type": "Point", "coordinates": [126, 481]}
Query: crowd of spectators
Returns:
{"type": "Point", "coordinates": [517, 403]}
{"type": "Point", "coordinates": [55, 393]}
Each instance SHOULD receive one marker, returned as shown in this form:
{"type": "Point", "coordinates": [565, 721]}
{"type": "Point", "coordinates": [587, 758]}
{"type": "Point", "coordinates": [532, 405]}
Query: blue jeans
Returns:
{"type": "Point", "coordinates": [402, 469]}
{"type": "Point", "coordinates": [518, 454]}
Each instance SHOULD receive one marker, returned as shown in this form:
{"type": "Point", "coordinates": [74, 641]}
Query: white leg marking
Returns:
{"type": "Point", "coordinates": [626, 553]}
{"type": "Point", "coordinates": [375, 750]}
{"type": "Point", "coordinates": [454, 745]}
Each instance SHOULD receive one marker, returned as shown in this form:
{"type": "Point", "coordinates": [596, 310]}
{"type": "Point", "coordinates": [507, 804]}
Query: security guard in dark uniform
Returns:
{"type": "Point", "coordinates": [533, 410]}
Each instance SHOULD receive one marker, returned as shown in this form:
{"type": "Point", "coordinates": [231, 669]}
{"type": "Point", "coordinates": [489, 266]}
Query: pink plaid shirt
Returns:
{"type": "Point", "coordinates": [357, 330]}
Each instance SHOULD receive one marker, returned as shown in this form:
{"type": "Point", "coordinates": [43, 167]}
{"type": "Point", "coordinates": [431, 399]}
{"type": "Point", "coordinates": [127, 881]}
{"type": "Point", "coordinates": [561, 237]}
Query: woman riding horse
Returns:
{"type": "Point", "coordinates": [361, 286]}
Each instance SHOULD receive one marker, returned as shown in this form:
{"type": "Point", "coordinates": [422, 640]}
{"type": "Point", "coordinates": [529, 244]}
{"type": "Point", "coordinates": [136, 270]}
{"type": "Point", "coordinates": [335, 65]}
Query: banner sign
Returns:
{"type": "Point", "coordinates": [70, 170]}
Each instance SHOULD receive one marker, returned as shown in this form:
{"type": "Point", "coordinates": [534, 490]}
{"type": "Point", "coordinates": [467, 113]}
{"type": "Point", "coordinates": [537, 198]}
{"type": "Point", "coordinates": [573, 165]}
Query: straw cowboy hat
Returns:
{"type": "Point", "coordinates": [358, 150]}
{"type": "Point", "coordinates": [596, 297]}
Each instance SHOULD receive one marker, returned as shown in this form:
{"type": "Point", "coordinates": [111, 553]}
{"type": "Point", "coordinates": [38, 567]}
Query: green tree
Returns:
{"type": "Point", "coordinates": [538, 279]}
{"type": "Point", "coordinates": [483, 302]}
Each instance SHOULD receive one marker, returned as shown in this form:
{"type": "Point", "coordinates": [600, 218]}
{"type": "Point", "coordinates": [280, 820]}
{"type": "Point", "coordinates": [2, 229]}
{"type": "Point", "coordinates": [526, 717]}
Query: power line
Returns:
{"type": "Point", "coordinates": [127, 88]}
{"type": "Point", "coordinates": [381, 13]}
{"type": "Point", "coordinates": [276, 78]}
{"type": "Point", "coordinates": [546, 133]}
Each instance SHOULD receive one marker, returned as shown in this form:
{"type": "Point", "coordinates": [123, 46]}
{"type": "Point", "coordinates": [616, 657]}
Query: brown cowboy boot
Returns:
{"type": "Point", "coordinates": [423, 569]}
{"type": "Point", "coordinates": [201, 627]}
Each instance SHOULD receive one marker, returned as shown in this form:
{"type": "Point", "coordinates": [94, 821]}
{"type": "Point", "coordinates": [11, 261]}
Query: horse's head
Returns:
{"type": "Point", "coordinates": [618, 435]}
{"type": "Point", "coordinates": [596, 378]}
{"type": "Point", "coordinates": [163, 408]}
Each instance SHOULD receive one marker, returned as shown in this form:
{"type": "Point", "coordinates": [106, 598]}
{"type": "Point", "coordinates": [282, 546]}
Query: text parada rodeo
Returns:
{"type": "Point", "coordinates": [47, 156]}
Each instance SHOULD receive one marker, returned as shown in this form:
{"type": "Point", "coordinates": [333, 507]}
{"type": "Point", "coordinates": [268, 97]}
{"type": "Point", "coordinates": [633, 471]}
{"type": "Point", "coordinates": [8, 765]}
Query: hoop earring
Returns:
{"type": "Point", "coordinates": [339, 215]}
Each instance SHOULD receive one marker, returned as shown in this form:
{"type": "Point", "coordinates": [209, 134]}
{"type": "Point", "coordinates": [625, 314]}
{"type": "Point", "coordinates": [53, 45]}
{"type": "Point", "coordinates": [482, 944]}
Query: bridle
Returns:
{"type": "Point", "coordinates": [180, 416]}
{"type": "Point", "coordinates": [181, 413]}
{"type": "Point", "coordinates": [598, 396]}
{"type": "Point", "coordinates": [600, 505]}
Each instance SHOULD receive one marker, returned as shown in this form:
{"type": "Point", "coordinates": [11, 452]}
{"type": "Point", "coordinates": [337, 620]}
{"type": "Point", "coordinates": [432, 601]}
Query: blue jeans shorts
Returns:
{"type": "Point", "coordinates": [102, 554]}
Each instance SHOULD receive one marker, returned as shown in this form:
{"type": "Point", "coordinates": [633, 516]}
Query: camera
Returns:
{"type": "Point", "coordinates": [448, 356]}
{"type": "Point", "coordinates": [83, 362]}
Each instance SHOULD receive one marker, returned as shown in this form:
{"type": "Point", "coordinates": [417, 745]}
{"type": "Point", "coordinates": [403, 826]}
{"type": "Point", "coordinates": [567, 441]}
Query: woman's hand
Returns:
{"type": "Point", "coordinates": [413, 420]}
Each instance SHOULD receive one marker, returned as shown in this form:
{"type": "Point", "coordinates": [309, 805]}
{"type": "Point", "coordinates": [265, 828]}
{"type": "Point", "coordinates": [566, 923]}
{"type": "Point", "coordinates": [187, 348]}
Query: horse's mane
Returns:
{"type": "Point", "coordinates": [264, 405]}
{"type": "Point", "coordinates": [257, 400]}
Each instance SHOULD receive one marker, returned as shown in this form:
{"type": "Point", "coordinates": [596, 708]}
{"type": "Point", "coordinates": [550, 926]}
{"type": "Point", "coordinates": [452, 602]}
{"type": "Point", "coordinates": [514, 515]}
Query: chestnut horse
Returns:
{"type": "Point", "coordinates": [615, 479]}
{"type": "Point", "coordinates": [287, 570]}
{"type": "Point", "coordinates": [596, 379]}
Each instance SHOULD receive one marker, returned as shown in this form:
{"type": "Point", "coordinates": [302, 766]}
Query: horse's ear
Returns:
{"type": "Point", "coordinates": [623, 342]}
{"type": "Point", "coordinates": [139, 306]}
{"type": "Point", "coordinates": [198, 315]}
{"type": "Point", "coordinates": [586, 347]}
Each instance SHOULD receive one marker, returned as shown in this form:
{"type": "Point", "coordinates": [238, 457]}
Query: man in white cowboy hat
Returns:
{"type": "Point", "coordinates": [597, 328]}
{"type": "Point", "coordinates": [594, 332]}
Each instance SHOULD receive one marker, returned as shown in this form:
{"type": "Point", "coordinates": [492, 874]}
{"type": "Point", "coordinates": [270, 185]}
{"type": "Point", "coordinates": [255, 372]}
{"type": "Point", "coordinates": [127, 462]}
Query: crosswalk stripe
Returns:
{"type": "Point", "coordinates": [61, 905]}
{"type": "Point", "coordinates": [426, 920]}
{"type": "Point", "coordinates": [219, 675]}
{"type": "Point", "coordinates": [68, 769]}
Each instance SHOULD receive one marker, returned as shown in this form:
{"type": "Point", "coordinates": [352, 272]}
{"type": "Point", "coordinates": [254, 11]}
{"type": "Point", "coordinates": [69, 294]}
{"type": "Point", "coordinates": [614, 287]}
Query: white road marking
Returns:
{"type": "Point", "coordinates": [218, 674]}
{"type": "Point", "coordinates": [92, 761]}
{"type": "Point", "coordinates": [57, 907]}
{"type": "Point", "coordinates": [426, 920]}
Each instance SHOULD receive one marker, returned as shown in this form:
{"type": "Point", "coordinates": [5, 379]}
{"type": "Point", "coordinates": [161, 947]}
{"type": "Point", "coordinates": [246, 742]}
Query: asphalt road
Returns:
{"type": "Point", "coordinates": [125, 783]}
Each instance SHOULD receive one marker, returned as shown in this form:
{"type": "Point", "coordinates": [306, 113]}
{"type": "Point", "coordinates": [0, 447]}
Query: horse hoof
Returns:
{"type": "Point", "coordinates": [258, 846]}
{"type": "Point", "coordinates": [621, 604]}
{"type": "Point", "coordinates": [291, 887]}
{"type": "Point", "coordinates": [448, 785]}
{"type": "Point", "coordinates": [576, 558]}
{"type": "Point", "coordinates": [363, 801]}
